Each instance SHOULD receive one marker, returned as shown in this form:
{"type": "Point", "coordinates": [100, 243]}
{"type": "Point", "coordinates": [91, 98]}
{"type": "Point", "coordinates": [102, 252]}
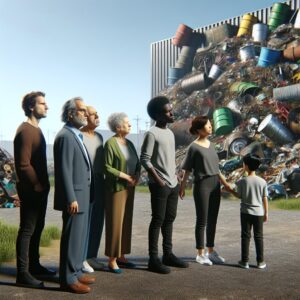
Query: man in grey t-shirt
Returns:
{"type": "Point", "coordinates": [158, 158]}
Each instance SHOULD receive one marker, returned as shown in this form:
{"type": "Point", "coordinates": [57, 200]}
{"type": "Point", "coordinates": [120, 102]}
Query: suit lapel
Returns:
{"type": "Point", "coordinates": [80, 146]}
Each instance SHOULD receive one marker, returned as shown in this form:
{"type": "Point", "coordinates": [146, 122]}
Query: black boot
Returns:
{"type": "Point", "coordinates": [24, 279]}
{"type": "Point", "coordinates": [155, 265]}
{"type": "Point", "coordinates": [173, 261]}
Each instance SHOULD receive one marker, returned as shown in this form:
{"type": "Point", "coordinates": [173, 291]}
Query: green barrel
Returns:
{"type": "Point", "coordinates": [279, 15]}
{"type": "Point", "coordinates": [244, 87]}
{"type": "Point", "coordinates": [223, 121]}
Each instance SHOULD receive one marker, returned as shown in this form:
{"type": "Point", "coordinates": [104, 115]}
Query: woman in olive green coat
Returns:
{"type": "Point", "coordinates": [122, 169]}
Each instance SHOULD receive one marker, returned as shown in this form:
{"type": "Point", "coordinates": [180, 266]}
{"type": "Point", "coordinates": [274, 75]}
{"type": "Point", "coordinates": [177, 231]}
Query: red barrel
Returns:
{"type": "Point", "coordinates": [182, 36]}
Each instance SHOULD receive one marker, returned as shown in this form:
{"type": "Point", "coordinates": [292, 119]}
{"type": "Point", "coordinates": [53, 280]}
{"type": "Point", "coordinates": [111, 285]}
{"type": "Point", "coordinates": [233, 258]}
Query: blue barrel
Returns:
{"type": "Point", "coordinates": [268, 57]}
{"type": "Point", "coordinates": [175, 74]}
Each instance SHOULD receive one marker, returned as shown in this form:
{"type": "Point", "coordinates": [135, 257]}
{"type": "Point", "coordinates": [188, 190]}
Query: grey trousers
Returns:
{"type": "Point", "coordinates": [72, 246]}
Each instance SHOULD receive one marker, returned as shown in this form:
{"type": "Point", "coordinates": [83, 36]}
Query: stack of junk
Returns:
{"type": "Point", "coordinates": [8, 193]}
{"type": "Point", "coordinates": [247, 81]}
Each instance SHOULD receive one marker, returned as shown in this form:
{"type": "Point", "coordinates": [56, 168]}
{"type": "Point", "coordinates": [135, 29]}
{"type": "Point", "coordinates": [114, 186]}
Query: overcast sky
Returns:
{"type": "Point", "coordinates": [96, 49]}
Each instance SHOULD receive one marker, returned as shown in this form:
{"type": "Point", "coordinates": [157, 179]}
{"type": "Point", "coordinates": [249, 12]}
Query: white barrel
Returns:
{"type": "Point", "coordinates": [260, 32]}
{"type": "Point", "coordinates": [297, 21]}
{"type": "Point", "coordinates": [247, 52]}
{"type": "Point", "coordinates": [215, 72]}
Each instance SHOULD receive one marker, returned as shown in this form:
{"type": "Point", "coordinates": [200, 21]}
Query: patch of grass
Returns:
{"type": "Point", "coordinates": [49, 233]}
{"type": "Point", "coordinates": [8, 237]}
{"type": "Point", "coordinates": [286, 204]}
{"type": "Point", "coordinates": [142, 189]}
{"type": "Point", "coordinates": [51, 180]}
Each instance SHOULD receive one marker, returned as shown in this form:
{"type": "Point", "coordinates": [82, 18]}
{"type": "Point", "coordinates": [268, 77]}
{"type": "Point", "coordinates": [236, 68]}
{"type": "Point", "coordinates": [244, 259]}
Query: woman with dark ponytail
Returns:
{"type": "Point", "coordinates": [203, 161]}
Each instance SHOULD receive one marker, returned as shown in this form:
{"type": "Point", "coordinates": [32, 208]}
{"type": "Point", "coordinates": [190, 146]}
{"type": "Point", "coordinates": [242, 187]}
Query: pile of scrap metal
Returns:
{"type": "Point", "coordinates": [8, 193]}
{"type": "Point", "coordinates": [247, 81]}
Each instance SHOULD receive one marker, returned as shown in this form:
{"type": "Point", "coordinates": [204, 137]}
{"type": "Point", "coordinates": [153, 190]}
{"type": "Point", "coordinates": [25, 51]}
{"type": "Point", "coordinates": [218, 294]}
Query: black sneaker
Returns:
{"type": "Point", "coordinates": [173, 261]}
{"type": "Point", "coordinates": [155, 265]}
{"type": "Point", "coordinates": [41, 271]}
{"type": "Point", "coordinates": [24, 279]}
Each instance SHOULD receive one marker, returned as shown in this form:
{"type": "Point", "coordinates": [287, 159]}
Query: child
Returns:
{"type": "Point", "coordinates": [254, 210]}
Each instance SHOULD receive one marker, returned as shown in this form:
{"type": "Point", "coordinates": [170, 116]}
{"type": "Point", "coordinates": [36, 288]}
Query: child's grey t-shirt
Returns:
{"type": "Point", "coordinates": [251, 190]}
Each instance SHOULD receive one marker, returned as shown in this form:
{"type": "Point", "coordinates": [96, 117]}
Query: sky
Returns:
{"type": "Point", "coordinates": [96, 49]}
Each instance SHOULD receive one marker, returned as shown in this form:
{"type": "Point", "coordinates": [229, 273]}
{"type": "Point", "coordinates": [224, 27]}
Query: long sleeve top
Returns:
{"type": "Point", "coordinates": [30, 156]}
{"type": "Point", "coordinates": [114, 163]}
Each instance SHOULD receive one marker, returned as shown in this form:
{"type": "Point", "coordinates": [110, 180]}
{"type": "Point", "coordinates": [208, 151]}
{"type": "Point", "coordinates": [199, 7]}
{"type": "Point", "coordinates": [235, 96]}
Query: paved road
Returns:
{"type": "Point", "coordinates": [279, 281]}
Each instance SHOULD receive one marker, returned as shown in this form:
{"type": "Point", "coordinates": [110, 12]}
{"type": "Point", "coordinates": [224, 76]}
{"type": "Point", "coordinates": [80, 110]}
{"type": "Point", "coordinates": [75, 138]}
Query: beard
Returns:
{"type": "Point", "coordinates": [78, 122]}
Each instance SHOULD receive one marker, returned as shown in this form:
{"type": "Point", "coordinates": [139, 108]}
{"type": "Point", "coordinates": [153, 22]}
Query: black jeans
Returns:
{"type": "Point", "coordinates": [207, 197]}
{"type": "Point", "coordinates": [164, 208]}
{"type": "Point", "coordinates": [247, 221]}
{"type": "Point", "coordinates": [33, 207]}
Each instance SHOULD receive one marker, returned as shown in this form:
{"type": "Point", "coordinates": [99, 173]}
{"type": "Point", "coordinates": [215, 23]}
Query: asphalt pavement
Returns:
{"type": "Point", "coordinates": [280, 280]}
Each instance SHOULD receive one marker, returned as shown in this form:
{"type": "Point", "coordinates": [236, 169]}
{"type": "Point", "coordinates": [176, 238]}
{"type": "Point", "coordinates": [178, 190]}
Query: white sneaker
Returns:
{"type": "Point", "coordinates": [216, 258]}
{"type": "Point", "coordinates": [261, 265]}
{"type": "Point", "coordinates": [87, 268]}
{"type": "Point", "coordinates": [203, 260]}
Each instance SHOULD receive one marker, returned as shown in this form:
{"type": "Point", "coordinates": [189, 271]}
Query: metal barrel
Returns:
{"type": "Point", "coordinates": [275, 131]}
{"type": "Point", "coordinates": [223, 121]}
{"type": "Point", "coordinates": [247, 52]}
{"type": "Point", "coordinates": [235, 105]}
{"type": "Point", "coordinates": [182, 36]}
{"type": "Point", "coordinates": [297, 20]}
{"type": "Point", "coordinates": [175, 74]}
{"type": "Point", "coordinates": [287, 93]}
{"type": "Point", "coordinates": [268, 57]}
{"type": "Point", "coordinates": [185, 58]}
{"type": "Point", "coordinates": [246, 24]}
{"type": "Point", "coordinates": [244, 88]}
{"type": "Point", "coordinates": [181, 132]}
{"type": "Point", "coordinates": [194, 83]}
{"type": "Point", "coordinates": [279, 14]}
{"type": "Point", "coordinates": [292, 53]}
{"type": "Point", "coordinates": [260, 32]}
{"type": "Point", "coordinates": [215, 72]}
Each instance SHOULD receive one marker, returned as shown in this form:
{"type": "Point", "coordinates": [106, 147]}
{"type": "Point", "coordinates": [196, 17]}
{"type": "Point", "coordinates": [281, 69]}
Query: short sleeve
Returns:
{"type": "Point", "coordinates": [187, 163]}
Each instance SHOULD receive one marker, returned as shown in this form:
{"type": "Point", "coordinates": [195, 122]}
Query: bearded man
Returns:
{"type": "Point", "coordinates": [73, 195]}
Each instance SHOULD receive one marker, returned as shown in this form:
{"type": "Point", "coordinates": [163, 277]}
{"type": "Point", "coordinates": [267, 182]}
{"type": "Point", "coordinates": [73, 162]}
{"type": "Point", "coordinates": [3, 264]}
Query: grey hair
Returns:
{"type": "Point", "coordinates": [116, 120]}
{"type": "Point", "coordinates": [69, 108]}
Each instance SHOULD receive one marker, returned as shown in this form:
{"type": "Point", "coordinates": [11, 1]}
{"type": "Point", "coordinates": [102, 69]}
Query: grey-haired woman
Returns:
{"type": "Point", "coordinates": [122, 169]}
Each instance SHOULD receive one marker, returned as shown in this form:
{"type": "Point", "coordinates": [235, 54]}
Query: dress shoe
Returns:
{"type": "Point", "coordinates": [126, 264]}
{"type": "Point", "coordinates": [85, 279]}
{"type": "Point", "coordinates": [173, 261]}
{"type": "Point", "coordinates": [155, 265]}
{"type": "Point", "coordinates": [115, 271]}
{"type": "Point", "coordinates": [25, 279]}
{"type": "Point", "coordinates": [41, 271]}
{"type": "Point", "coordinates": [77, 288]}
